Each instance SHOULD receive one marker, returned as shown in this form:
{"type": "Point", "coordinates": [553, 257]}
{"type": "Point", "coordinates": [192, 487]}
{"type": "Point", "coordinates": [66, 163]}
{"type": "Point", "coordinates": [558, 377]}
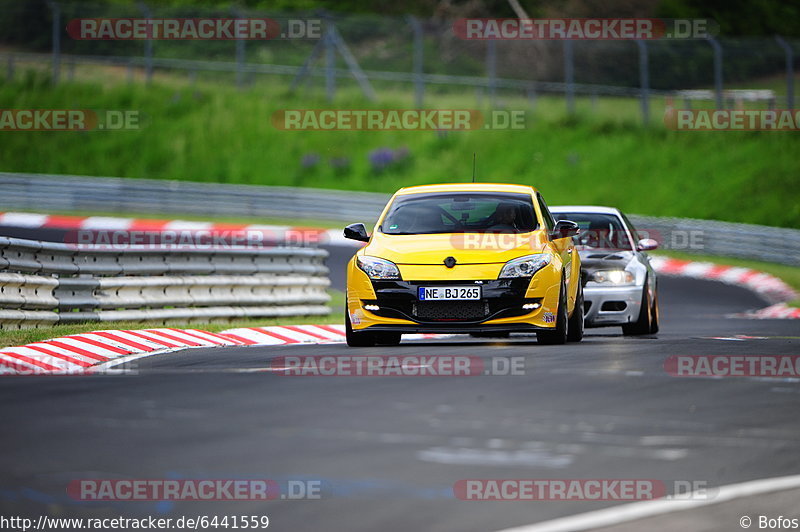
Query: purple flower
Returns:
{"type": "Point", "coordinates": [309, 160]}
{"type": "Point", "coordinates": [380, 158]}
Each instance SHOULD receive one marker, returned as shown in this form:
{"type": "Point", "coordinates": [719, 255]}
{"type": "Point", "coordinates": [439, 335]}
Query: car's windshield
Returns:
{"type": "Point", "coordinates": [460, 212]}
{"type": "Point", "coordinates": [598, 231]}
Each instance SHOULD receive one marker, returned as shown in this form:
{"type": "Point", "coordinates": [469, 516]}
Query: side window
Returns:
{"type": "Point", "coordinates": [548, 218]}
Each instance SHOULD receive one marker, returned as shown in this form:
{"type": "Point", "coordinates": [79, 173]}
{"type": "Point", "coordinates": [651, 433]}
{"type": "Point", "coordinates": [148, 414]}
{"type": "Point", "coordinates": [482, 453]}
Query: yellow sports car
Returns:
{"type": "Point", "coordinates": [477, 258]}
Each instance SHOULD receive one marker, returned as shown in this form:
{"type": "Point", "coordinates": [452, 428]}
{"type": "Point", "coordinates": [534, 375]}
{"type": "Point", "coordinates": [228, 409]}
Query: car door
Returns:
{"type": "Point", "coordinates": [563, 246]}
{"type": "Point", "coordinates": [641, 255]}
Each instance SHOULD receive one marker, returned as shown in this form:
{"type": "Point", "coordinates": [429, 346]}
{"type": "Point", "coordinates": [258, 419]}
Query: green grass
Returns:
{"type": "Point", "coordinates": [789, 274]}
{"type": "Point", "coordinates": [14, 337]}
{"type": "Point", "coordinates": [214, 133]}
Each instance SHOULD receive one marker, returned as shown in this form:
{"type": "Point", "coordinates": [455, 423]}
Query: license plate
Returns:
{"type": "Point", "coordinates": [440, 293]}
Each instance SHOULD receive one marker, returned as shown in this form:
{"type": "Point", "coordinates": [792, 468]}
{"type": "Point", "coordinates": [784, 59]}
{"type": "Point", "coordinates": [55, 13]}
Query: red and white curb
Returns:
{"type": "Point", "coordinates": [98, 351]}
{"type": "Point", "coordinates": [277, 233]}
{"type": "Point", "coordinates": [81, 353]}
{"type": "Point", "coordinates": [777, 311]}
{"type": "Point", "coordinates": [764, 284]}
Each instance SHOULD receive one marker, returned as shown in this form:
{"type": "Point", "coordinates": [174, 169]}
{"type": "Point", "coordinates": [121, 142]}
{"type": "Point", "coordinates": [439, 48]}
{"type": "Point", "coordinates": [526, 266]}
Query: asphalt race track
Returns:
{"type": "Point", "coordinates": [388, 450]}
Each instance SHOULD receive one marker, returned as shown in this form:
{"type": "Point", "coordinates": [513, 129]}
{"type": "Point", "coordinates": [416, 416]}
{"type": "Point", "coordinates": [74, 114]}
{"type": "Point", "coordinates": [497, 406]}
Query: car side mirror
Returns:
{"type": "Point", "coordinates": [564, 229]}
{"type": "Point", "coordinates": [646, 244]}
{"type": "Point", "coordinates": [356, 232]}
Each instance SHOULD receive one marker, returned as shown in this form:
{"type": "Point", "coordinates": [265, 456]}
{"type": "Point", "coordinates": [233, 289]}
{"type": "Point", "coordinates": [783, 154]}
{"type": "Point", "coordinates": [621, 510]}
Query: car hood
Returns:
{"type": "Point", "coordinates": [469, 248]}
{"type": "Point", "coordinates": [594, 259]}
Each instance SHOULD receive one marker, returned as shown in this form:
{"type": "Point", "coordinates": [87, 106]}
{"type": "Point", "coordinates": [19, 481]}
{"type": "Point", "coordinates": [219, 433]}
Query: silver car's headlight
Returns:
{"type": "Point", "coordinates": [524, 266]}
{"type": "Point", "coordinates": [379, 269]}
{"type": "Point", "coordinates": [615, 277]}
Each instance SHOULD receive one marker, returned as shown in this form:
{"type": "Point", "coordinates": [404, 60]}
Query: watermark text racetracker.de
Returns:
{"type": "Point", "coordinates": [120, 239]}
{"type": "Point", "coordinates": [597, 239]}
{"type": "Point", "coordinates": [583, 28]}
{"type": "Point", "coordinates": [206, 489]}
{"type": "Point", "coordinates": [69, 120]}
{"type": "Point", "coordinates": [732, 119]}
{"type": "Point", "coordinates": [214, 29]}
{"type": "Point", "coordinates": [777, 366]}
{"type": "Point", "coordinates": [397, 119]}
{"type": "Point", "coordinates": [583, 489]}
{"type": "Point", "coordinates": [397, 366]}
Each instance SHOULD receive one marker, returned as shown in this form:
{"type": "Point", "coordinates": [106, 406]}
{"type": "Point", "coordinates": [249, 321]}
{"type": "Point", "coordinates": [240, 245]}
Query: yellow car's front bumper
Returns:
{"type": "Point", "coordinates": [506, 305]}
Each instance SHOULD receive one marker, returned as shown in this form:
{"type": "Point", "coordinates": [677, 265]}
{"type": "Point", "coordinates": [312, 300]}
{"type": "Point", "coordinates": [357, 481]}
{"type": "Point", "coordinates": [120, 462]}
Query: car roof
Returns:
{"type": "Point", "coordinates": [467, 187]}
{"type": "Point", "coordinates": [589, 209]}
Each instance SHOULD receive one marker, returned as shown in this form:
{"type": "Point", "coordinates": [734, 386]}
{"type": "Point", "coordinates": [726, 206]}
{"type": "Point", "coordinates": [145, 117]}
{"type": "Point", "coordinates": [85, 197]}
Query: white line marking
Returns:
{"type": "Point", "coordinates": [644, 509]}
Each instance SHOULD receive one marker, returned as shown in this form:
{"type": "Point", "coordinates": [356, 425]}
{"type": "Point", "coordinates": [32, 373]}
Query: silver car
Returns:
{"type": "Point", "coordinates": [620, 284]}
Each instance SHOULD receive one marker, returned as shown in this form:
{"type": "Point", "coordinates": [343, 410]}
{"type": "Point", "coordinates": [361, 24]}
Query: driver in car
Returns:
{"type": "Point", "coordinates": [504, 217]}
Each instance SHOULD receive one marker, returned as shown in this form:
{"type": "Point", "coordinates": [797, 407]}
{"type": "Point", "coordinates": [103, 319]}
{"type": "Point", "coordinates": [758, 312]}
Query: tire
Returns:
{"type": "Point", "coordinates": [356, 339]}
{"type": "Point", "coordinates": [575, 324]}
{"type": "Point", "coordinates": [642, 325]}
{"type": "Point", "coordinates": [387, 338]}
{"type": "Point", "coordinates": [654, 315]}
{"type": "Point", "coordinates": [557, 336]}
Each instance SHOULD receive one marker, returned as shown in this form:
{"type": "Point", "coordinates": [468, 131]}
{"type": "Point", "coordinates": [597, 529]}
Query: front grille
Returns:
{"type": "Point", "coordinates": [451, 310]}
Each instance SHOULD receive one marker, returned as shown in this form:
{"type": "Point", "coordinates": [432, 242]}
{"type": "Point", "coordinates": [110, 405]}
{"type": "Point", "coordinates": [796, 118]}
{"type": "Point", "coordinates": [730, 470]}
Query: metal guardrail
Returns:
{"type": "Point", "coordinates": [72, 193]}
{"type": "Point", "coordinates": [711, 237]}
{"type": "Point", "coordinates": [173, 198]}
{"type": "Point", "coordinates": [48, 283]}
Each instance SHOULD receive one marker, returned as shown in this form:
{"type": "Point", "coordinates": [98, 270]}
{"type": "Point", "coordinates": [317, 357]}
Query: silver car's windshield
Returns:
{"type": "Point", "coordinates": [599, 231]}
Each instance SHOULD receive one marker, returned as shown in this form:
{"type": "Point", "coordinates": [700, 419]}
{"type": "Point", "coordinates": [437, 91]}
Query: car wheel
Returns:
{"type": "Point", "coordinates": [388, 338]}
{"type": "Point", "coordinates": [654, 315]}
{"type": "Point", "coordinates": [558, 335]}
{"type": "Point", "coordinates": [575, 325]}
{"type": "Point", "coordinates": [642, 324]}
{"type": "Point", "coordinates": [356, 339]}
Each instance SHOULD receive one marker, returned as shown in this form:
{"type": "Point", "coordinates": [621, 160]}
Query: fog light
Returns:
{"type": "Point", "coordinates": [531, 306]}
{"type": "Point", "coordinates": [372, 307]}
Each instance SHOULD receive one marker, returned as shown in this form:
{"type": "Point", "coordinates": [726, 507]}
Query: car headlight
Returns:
{"type": "Point", "coordinates": [617, 277]}
{"type": "Point", "coordinates": [377, 268]}
{"type": "Point", "coordinates": [524, 266]}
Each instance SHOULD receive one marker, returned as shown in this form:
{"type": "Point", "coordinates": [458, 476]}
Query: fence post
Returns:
{"type": "Point", "coordinates": [330, 61]}
{"type": "Point", "coordinates": [148, 47]}
{"type": "Point", "coordinates": [240, 54]}
{"type": "Point", "coordinates": [569, 76]}
{"type": "Point", "coordinates": [644, 80]}
{"type": "Point", "coordinates": [419, 82]}
{"type": "Point", "coordinates": [531, 91]}
{"type": "Point", "coordinates": [491, 69]}
{"type": "Point", "coordinates": [352, 64]}
{"type": "Point", "coordinates": [56, 9]}
{"type": "Point", "coordinates": [789, 71]}
{"type": "Point", "coordinates": [717, 70]}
